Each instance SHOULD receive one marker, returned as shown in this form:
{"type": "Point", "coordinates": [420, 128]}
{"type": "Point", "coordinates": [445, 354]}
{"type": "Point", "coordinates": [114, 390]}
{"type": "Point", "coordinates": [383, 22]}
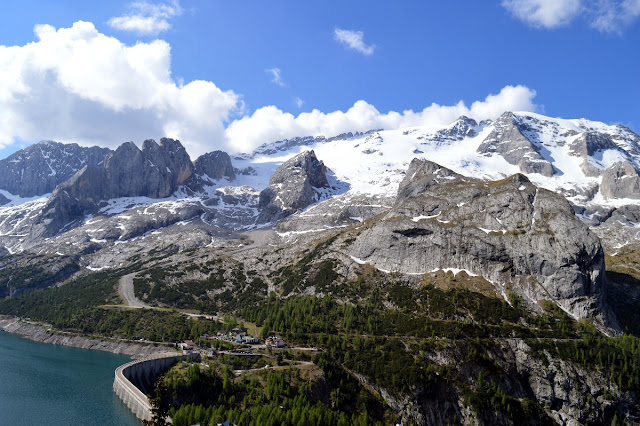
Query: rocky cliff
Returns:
{"type": "Point", "coordinates": [156, 171]}
{"type": "Point", "coordinates": [293, 186]}
{"type": "Point", "coordinates": [511, 232]}
{"type": "Point", "coordinates": [214, 165]}
{"type": "Point", "coordinates": [39, 168]}
{"type": "Point", "coordinates": [507, 140]}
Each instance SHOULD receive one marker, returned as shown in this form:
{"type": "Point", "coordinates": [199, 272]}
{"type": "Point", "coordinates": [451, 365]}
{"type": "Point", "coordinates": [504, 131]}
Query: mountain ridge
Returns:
{"type": "Point", "coordinates": [313, 185]}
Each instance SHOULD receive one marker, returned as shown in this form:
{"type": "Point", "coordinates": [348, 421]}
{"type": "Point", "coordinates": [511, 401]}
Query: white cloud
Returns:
{"type": "Point", "coordinates": [269, 124]}
{"type": "Point", "coordinates": [609, 16]}
{"type": "Point", "coordinates": [298, 101]}
{"type": "Point", "coordinates": [353, 40]}
{"type": "Point", "coordinates": [78, 85]}
{"type": "Point", "coordinates": [146, 18]}
{"type": "Point", "coordinates": [612, 16]}
{"type": "Point", "coordinates": [544, 13]}
{"type": "Point", "coordinates": [276, 76]}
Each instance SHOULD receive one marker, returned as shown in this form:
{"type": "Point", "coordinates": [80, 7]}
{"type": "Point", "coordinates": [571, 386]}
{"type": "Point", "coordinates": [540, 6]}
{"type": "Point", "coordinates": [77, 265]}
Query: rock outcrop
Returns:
{"type": "Point", "coordinates": [39, 168]}
{"type": "Point", "coordinates": [510, 232]}
{"type": "Point", "coordinates": [214, 165]}
{"type": "Point", "coordinates": [294, 185]}
{"type": "Point", "coordinates": [462, 128]}
{"type": "Point", "coordinates": [508, 140]}
{"type": "Point", "coordinates": [156, 171]}
{"type": "Point", "coordinates": [621, 181]}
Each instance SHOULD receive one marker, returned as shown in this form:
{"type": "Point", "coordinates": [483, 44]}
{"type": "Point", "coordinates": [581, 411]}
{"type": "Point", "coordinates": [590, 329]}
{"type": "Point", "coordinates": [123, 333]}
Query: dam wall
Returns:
{"type": "Point", "coordinates": [134, 380]}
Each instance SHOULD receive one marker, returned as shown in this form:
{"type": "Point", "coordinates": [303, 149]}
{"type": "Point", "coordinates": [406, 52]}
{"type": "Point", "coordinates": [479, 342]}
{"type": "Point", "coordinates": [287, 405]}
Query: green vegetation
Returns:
{"type": "Point", "coordinates": [376, 332]}
{"type": "Point", "coordinates": [617, 357]}
{"type": "Point", "coordinates": [61, 305]}
{"type": "Point", "coordinates": [222, 289]}
{"type": "Point", "coordinates": [27, 272]}
{"type": "Point", "coordinates": [292, 276]}
{"type": "Point", "coordinates": [494, 403]}
{"type": "Point", "coordinates": [78, 306]}
{"type": "Point", "coordinates": [623, 292]}
{"type": "Point", "coordinates": [289, 396]}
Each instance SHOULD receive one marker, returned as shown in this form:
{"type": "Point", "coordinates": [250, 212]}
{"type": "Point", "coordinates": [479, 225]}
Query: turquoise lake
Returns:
{"type": "Point", "coordinates": [43, 384]}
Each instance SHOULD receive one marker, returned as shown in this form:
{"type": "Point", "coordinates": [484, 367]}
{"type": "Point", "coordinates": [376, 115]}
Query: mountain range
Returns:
{"type": "Point", "coordinates": [527, 209]}
{"type": "Point", "coordinates": [67, 199]}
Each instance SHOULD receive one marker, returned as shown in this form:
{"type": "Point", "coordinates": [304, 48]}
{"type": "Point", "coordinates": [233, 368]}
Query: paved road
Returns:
{"type": "Point", "coordinates": [125, 288]}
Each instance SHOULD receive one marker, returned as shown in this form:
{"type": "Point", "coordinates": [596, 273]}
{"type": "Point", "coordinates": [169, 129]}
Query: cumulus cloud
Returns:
{"type": "Point", "coordinates": [146, 18]}
{"type": "Point", "coordinates": [544, 13]}
{"type": "Point", "coordinates": [78, 85]}
{"type": "Point", "coordinates": [353, 40]}
{"type": "Point", "coordinates": [269, 123]}
{"type": "Point", "coordinates": [276, 76]}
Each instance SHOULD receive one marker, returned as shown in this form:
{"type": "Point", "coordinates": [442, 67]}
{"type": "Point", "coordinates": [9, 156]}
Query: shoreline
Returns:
{"type": "Point", "coordinates": [44, 333]}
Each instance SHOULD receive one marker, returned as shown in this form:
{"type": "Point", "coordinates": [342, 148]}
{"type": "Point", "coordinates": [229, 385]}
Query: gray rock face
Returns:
{"type": "Point", "coordinates": [156, 171]}
{"type": "Point", "coordinates": [286, 144]}
{"type": "Point", "coordinates": [588, 143]}
{"type": "Point", "coordinates": [507, 140]}
{"type": "Point", "coordinates": [293, 186]}
{"type": "Point", "coordinates": [621, 181]}
{"type": "Point", "coordinates": [510, 232]}
{"type": "Point", "coordinates": [3, 200]}
{"type": "Point", "coordinates": [216, 165]}
{"type": "Point", "coordinates": [462, 128]}
{"type": "Point", "coordinates": [39, 168]}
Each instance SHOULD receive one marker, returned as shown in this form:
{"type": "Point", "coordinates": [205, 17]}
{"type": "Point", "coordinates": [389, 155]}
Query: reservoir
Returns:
{"type": "Point", "coordinates": [43, 384]}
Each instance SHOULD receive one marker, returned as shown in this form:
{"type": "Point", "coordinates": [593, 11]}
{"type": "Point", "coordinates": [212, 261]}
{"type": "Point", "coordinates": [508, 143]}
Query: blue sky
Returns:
{"type": "Point", "coordinates": [230, 75]}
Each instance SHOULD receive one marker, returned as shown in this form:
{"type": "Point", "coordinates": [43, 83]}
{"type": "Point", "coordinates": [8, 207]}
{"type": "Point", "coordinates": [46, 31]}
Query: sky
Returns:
{"type": "Point", "coordinates": [231, 75]}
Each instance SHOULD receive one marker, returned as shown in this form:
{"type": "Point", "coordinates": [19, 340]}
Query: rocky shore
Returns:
{"type": "Point", "coordinates": [44, 333]}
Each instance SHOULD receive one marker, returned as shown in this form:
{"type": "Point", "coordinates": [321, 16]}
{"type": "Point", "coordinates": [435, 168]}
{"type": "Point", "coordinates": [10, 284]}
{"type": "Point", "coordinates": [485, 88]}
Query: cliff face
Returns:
{"type": "Point", "coordinates": [293, 186]}
{"type": "Point", "coordinates": [510, 232]}
{"type": "Point", "coordinates": [39, 168]}
{"type": "Point", "coordinates": [156, 171]}
{"type": "Point", "coordinates": [570, 393]}
{"type": "Point", "coordinates": [508, 140]}
{"type": "Point", "coordinates": [215, 165]}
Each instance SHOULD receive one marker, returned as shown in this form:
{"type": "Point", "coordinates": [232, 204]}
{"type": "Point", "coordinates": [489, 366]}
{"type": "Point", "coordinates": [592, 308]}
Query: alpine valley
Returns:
{"type": "Point", "coordinates": [477, 273]}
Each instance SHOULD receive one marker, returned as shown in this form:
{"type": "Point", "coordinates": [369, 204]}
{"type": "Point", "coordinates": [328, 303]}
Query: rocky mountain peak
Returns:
{"type": "Point", "coordinates": [588, 143]}
{"type": "Point", "coordinates": [215, 165]}
{"type": "Point", "coordinates": [509, 231]}
{"type": "Point", "coordinates": [39, 168]}
{"type": "Point", "coordinates": [421, 175]}
{"type": "Point", "coordinates": [508, 140]}
{"type": "Point", "coordinates": [306, 165]}
{"type": "Point", "coordinates": [293, 186]}
{"type": "Point", "coordinates": [156, 171]}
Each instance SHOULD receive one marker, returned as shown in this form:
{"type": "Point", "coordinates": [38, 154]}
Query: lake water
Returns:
{"type": "Point", "coordinates": [43, 384]}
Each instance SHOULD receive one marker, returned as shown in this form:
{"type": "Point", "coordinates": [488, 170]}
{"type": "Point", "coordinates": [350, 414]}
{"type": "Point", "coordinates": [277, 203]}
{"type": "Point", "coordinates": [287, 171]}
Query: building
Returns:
{"type": "Point", "coordinates": [275, 342]}
{"type": "Point", "coordinates": [241, 331]}
{"type": "Point", "coordinates": [250, 340]}
{"type": "Point", "coordinates": [187, 346]}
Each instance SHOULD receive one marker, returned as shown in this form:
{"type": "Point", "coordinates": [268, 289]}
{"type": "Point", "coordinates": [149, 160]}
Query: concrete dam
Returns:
{"type": "Point", "coordinates": [134, 380]}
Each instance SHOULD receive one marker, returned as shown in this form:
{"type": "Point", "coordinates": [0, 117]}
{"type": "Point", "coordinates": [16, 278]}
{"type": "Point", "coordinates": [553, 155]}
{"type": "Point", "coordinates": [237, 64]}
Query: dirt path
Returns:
{"type": "Point", "coordinates": [125, 288]}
